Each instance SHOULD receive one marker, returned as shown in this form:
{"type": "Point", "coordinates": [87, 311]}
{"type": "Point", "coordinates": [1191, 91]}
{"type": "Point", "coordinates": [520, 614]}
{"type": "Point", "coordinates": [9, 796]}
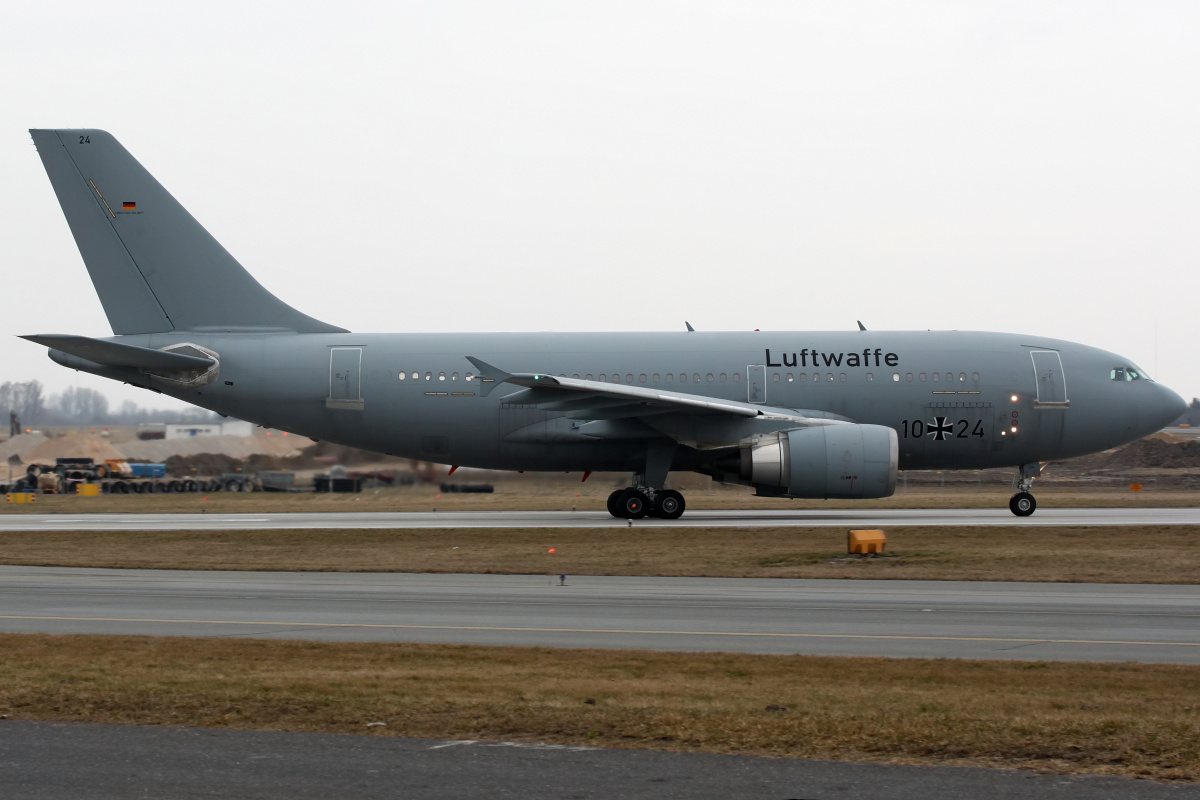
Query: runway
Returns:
{"type": "Point", "coordinates": [764, 518]}
{"type": "Point", "coordinates": [1020, 621]}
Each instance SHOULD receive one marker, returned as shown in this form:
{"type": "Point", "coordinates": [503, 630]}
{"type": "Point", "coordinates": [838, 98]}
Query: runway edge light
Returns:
{"type": "Point", "coordinates": [866, 542]}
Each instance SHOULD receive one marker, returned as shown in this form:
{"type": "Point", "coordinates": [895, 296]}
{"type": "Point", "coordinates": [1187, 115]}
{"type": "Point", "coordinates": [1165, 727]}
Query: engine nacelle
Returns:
{"type": "Point", "coordinates": [841, 461]}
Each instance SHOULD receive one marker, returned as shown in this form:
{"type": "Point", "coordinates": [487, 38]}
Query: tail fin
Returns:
{"type": "Point", "coordinates": [154, 266]}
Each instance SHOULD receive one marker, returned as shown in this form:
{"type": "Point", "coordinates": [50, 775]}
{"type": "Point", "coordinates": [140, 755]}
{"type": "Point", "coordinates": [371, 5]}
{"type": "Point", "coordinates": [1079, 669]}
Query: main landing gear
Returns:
{"type": "Point", "coordinates": [1023, 503]}
{"type": "Point", "coordinates": [642, 499]}
{"type": "Point", "coordinates": [636, 503]}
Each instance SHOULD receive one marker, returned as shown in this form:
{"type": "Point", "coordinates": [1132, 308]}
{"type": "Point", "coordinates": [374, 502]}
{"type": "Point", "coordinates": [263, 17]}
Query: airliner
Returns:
{"type": "Point", "coordinates": [792, 414]}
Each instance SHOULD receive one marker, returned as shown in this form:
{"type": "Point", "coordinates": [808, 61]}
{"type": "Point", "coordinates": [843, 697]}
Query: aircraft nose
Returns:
{"type": "Point", "coordinates": [1173, 405]}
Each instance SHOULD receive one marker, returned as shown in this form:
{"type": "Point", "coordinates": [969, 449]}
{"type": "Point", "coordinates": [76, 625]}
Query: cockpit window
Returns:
{"type": "Point", "coordinates": [1126, 374]}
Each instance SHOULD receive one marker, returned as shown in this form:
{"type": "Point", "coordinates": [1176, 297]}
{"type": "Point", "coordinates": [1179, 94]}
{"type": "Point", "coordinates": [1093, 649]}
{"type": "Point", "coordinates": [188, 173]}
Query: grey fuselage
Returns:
{"type": "Point", "coordinates": [957, 400]}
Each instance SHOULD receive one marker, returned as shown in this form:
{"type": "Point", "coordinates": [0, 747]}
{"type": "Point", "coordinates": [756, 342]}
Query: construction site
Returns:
{"type": "Point", "coordinates": [151, 459]}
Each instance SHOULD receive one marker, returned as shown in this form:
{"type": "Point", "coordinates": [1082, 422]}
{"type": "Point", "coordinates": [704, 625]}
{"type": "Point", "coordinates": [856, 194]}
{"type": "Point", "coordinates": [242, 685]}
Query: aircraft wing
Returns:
{"type": "Point", "coordinates": [584, 399]}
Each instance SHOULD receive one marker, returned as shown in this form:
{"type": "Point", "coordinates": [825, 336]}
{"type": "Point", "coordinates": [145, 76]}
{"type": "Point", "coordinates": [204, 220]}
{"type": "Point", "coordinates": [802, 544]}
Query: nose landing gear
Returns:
{"type": "Point", "coordinates": [1023, 503]}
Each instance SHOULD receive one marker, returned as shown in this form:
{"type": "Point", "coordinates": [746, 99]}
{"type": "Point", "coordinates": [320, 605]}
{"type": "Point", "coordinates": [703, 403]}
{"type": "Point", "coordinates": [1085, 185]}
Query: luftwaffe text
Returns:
{"type": "Point", "coordinates": [806, 357]}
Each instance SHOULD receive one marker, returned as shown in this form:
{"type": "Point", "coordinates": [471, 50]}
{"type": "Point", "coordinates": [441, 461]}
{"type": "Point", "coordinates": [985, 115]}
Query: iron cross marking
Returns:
{"type": "Point", "coordinates": [939, 429]}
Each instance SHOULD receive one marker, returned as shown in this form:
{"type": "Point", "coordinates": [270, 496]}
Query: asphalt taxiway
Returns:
{"type": "Point", "coordinates": [65, 761]}
{"type": "Point", "coordinates": [760, 518]}
{"type": "Point", "coordinates": [1021, 621]}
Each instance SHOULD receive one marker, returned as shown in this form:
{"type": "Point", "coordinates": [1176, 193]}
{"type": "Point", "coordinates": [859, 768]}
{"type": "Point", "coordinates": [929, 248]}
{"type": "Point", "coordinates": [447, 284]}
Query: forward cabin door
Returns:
{"type": "Point", "coordinates": [1050, 407]}
{"type": "Point", "coordinates": [1051, 383]}
{"type": "Point", "coordinates": [756, 383]}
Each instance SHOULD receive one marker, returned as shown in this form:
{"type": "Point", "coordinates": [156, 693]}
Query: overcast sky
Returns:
{"type": "Point", "coordinates": [442, 166]}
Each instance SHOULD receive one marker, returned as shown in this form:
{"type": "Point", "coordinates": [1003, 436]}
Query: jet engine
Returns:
{"type": "Point", "coordinates": [842, 461]}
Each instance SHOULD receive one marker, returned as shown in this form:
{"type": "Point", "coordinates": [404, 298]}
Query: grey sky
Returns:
{"type": "Point", "coordinates": [626, 166]}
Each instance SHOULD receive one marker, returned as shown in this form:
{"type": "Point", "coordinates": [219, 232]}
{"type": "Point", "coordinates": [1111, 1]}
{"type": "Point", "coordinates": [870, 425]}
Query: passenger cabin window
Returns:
{"type": "Point", "coordinates": [402, 376]}
{"type": "Point", "coordinates": [722, 377]}
{"type": "Point", "coordinates": [695, 377]}
{"type": "Point", "coordinates": [776, 377]}
{"type": "Point", "coordinates": [908, 376]}
{"type": "Point", "coordinates": [870, 377]}
{"type": "Point", "coordinates": [629, 378]}
{"type": "Point", "coordinates": [922, 377]}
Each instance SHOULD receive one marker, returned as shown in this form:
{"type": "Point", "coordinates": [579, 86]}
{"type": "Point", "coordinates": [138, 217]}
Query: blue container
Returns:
{"type": "Point", "coordinates": [148, 470]}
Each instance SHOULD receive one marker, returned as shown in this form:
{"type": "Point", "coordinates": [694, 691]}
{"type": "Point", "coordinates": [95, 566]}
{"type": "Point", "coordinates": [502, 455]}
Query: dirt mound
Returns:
{"type": "Point", "coordinates": [207, 465]}
{"type": "Point", "coordinates": [1153, 452]}
{"type": "Point", "coordinates": [20, 446]}
{"type": "Point", "coordinates": [269, 454]}
{"type": "Point", "coordinates": [75, 445]}
{"type": "Point", "coordinates": [159, 450]}
{"type": "Point", "coordinates": [326, 453]}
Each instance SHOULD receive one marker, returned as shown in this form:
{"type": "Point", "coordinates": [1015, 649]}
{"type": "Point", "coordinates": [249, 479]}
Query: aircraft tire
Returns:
{"type": "Point", "coordinates": [633, 504]}
{"type": "Point", "coordinates": [669, 504]}
{"type": "Point", "coordinates": [614, 501]}
{"type": "Point", "coordinates": [1022, 504]}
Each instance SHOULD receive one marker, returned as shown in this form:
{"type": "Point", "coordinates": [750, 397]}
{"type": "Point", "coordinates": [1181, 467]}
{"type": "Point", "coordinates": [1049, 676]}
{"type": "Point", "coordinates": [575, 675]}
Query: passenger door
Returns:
{"type": "Point", "coordinates": [345, 378]}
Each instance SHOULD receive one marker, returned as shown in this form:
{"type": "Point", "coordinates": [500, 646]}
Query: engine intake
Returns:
{"type": "Point", "coordinates": [827, 461]}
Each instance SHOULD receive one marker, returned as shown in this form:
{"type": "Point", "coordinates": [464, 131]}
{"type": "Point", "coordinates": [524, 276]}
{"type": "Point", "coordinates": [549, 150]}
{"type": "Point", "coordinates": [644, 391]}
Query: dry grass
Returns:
{"type": "Point", "coordinates": [1166, 554]}
{"type": "Point", "coordinates": [559, 495]}
{"type": "Point", "coordinates": [1141, 720]}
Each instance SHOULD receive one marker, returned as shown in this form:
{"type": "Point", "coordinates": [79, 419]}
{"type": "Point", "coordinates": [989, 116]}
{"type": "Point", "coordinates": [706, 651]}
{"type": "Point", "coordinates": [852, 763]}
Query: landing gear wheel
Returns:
{"type": "Point", "coordinates": [614, 503]}
{"type": "Point", "coordinates": [669, 504]}
{"type": "Point", "coordinates": [632, 504]}
{"type": "Point", "coordinates": [1022, 504]}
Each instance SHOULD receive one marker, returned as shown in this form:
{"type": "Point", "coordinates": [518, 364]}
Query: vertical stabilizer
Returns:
{"type": "Point", "coordinates": [155, 268]}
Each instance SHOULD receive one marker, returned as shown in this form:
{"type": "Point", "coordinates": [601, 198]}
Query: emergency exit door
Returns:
{"type": "Point", "coordinates": [756, 383]}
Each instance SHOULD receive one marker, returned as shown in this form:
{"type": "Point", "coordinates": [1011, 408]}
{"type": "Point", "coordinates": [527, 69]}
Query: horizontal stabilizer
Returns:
{"type": "Point", "coordinates": [115, 354]}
